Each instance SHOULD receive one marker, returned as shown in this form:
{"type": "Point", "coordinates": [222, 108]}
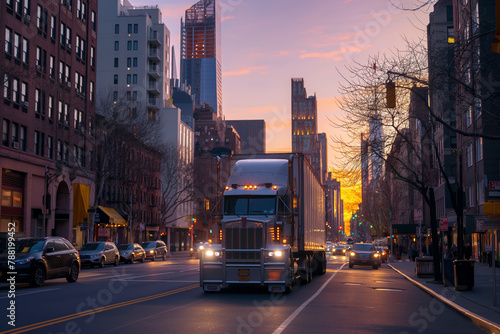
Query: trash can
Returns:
{"type": "Point", "coordinates": [464, 274]}
{"type": "Point", "coordinates": [424, 266]}
{"type": "Point", "coordinates": [448, 272]}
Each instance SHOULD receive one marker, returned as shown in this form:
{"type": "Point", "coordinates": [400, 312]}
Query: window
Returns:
{"type": "Point", "coordinates": [92, 18]}
{"type": "Point", "coordinates": [129, 79]}
{"type": "Point", "coordinates": [6, 87]}
{"type": "Point", "coordinates": [117, 28]}
{"type": "Point", "coordinates": [17, 46]}
{"type": "Point", "coordinates": [91, 93]}
{"type": "Point", "coordinates": [116, 62]}
{"type": "Point", "coordinates": [129, 28]}
{"type": "Point", "coordinates": [479, 149]}
{"type": "Point", "coordinates": [477, 108]}
{"type": "Point", "coordinates": [22, 138]}
{"type": "Point", "coordinates": [68, 37]}
{"type": "Point", "coordinates": [37, 101]}
{"type": "Point", "coordinates": [129, 45]}
{"type": "Point", "coordinates": [115, 96]}
{"type": "Point", "coordinates": [115, 80]}
{"type": "Point", "coordinates": [67, 75]}
{"type": "Point", "coordinates": [50, 147]}
{"type": "Point", "coordinates": [38, 58]}
{"type": "Point", "coordinates": [5, 132]}
{"type": "Point", "coordinates": [15, 133]}
{"type": "Point", "coordinates": [24, 92]}
{"type": "Point", "coordinates": [50, 107]}
{"type": "Point", "coordinates": [59, 151]}
{"type": "Point", "coordinates": [134, 79]}
{"type": "Point", "coordinates": [136, 45]}
{"type": "Point", "coordinates": [66, 152]}
{"type": "Point", "coordinates": [135, 62]}
{"type": "Point", "coordinates": [12, 198]}
{"type": "Point", "coordinates": [60, 111]}
{"type": "Point", "coordinates": [117, 46]}
{"type": "Point", "coordinates": [66, 115]}
{"type": "Point", "coordinates": [15, 90]}
{"type": "Point", "coordinates": [36, 148]}
{"type": "Point", "coordinates": [92, 56]}
{"type": "Point", "coordinates": [468, 117]}
{"type": "Point", "coordinates": [469, 155]}
{"type": "Point", "coordinates": [80, 10]}
{"type": "Point", "coordinates": [26, 50]}
{"type": "Point", "coordinates": [8, 41]}
{"type": "Point", "coordinates": [53, 27]}
{"type": "Point", "coordinates": [136, 28]}
{"type": "Point", "coordinates": [129, 62]}
{"type": "Point", "coordinates": [63, 34]}
{"type": "Point", "coordinates": [52, 61]}
{"type": "Point", "coordinates": [39, 22]}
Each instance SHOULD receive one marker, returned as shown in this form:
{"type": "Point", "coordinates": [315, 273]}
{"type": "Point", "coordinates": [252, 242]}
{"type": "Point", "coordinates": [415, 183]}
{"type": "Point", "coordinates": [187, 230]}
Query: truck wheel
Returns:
{"type": "Point", "coordinates": [310, 269]}
{"type": "Point", "coordinates": [303, 271]}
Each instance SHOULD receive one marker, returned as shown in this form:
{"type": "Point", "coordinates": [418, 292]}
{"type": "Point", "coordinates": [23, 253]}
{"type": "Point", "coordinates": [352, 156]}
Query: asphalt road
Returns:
{"type": "Point", "coordinates": [165, 297]}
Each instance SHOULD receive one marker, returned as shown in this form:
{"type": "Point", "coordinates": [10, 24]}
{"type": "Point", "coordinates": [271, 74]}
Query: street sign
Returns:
{"type": "Point", "coordinates": [417, 214]}
{"type": "Point", "coordinates": [443, 224]}
{"type": "Point", "coordinates": [404, 228]}
{"type": "Point", "coordinates": [417, 231]}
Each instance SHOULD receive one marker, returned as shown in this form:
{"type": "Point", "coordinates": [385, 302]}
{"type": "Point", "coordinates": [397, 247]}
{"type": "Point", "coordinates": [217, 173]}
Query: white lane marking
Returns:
{"type": "Point", "coordinates": [33, 292]}
{"type": "Point", "coordinates": [292, 316]}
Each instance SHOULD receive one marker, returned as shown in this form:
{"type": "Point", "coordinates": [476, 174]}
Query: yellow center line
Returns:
{"type": "Point", "coordinates": [96, 310]}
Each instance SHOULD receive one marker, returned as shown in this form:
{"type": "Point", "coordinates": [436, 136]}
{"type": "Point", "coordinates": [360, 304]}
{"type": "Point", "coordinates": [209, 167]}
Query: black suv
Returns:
{"type": "Point", "coordinates": [38, 259]}
{"type": "Point", "coordinates": [155, 249]}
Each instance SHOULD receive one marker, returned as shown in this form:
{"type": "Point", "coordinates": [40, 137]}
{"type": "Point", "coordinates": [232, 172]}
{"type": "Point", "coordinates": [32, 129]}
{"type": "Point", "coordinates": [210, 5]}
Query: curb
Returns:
{"type": "Point", "coordinates": [481, 322]}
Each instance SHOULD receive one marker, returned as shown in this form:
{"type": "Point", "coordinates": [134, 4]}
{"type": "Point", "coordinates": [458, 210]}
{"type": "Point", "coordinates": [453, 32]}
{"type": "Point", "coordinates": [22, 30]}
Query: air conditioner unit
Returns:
{"type": "Point", "coordinates": [27, 17]}
{"type": "Point", "coordinates": [15, 145]}
{"type": "Point", "coordinates": [66, 123]}
{"type": "Point", "coordinates": [68, 45]}
{"type": "Point", "coordinates": [68, 83]}
{"type": "Point", "coordinates": [39, 68]}
{"type": "Point", "coordinates": [25, 103]}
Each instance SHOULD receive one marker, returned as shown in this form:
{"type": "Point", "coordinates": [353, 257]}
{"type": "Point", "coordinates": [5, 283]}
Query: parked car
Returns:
{"type": "Point", "coordinates": [131, 252]}
{"type": "Point", "coordinates": [364, 254]}
{"type": "Point", "coordinates": [155, 249]}
{"type": "Point", "coordinates": [39, 259]}
{"type": "Point", "coordinates": [383, 253]}
{"type": "Point", "coordinates": [99, 253]}
{"type": "Point", "coordinates": [197, 247]}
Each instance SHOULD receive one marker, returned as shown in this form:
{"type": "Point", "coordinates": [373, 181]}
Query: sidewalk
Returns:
{"type": "Point", "coordinates": [476, 304]}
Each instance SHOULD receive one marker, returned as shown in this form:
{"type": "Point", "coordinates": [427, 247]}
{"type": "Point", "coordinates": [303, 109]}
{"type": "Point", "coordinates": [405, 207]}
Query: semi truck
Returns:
{"type": "Point", "coordinates": [272, 229]}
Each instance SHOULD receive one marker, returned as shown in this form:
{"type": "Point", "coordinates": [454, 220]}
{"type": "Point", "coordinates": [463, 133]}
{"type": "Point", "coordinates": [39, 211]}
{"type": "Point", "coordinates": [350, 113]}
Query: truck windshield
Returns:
{"type": "Point", "coordinates": [249, 205]}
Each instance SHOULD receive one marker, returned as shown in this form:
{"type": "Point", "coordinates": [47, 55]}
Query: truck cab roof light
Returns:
{"type": "Point", "coordinates": [227, 187]}
{"type": "Point", "coordinates": [275, 187]}
{"type": "Point", "coordinates": [255, 187]}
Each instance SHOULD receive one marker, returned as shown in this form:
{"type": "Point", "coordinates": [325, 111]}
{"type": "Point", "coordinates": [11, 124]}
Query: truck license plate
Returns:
{"type": "Point", "coordinates": [243, 274]}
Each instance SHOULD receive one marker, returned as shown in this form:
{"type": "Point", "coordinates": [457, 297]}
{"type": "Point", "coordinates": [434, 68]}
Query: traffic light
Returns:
{"type": "Point", "coordinates": [371, 226]}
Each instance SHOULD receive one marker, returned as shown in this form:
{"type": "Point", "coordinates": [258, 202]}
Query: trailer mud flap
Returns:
{"type": "Point", "coordinates": [276, 288]}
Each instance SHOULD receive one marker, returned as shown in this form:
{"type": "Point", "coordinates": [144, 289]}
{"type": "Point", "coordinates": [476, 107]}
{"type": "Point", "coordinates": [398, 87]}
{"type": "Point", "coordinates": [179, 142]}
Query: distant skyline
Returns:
{"type": "Point", "coordinates": [266, 43]}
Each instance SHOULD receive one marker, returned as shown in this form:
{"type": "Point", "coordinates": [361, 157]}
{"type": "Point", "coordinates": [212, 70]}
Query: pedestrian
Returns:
{"type": "Point", "coordinates": [468, 251]}
{"type": "Point", "coordinates": [453, 252]}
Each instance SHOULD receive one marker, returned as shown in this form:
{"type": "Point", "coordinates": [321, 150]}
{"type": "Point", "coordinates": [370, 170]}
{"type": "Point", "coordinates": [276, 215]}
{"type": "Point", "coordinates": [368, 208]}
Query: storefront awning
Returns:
{"type": "Point", "coordinates": [80, 204]}
{"type": "Point", "coordinates": [113, 217]}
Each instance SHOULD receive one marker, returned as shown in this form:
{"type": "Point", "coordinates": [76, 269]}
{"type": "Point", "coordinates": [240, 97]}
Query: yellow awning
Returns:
{"type": "Point", "coordinates": [114, 217]}
{"type": "Point", "coordinates": [81, 195]}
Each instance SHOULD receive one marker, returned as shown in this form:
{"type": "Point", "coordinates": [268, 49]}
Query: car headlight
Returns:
{"type": "Point", "coordinates": [25, 260]}
{"type": "Point", "coordinates": [353, 254]}
{"type": "Point", "coordinates": [376, 255]}
{"type": "Point", "coordinates": [201, 247]}
{"type": "Point", "coordinates": [151, 251]}
{"type": "Point", "coordinates": [93, 256]}
{"type": "Point", "coordinates": [212, 253]}
{"type": "Point", "coordinates": [343, 251]}
{"type": "Point", "coordinates": [191, 249]}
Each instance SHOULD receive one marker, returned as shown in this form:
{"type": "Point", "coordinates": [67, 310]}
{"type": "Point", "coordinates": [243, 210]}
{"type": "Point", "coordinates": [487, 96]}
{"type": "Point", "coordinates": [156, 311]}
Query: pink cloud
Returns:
{"type": "Point", "coordinates": [244, 71]}
{"type": "Point", "coordinates": [336, 53]}
{"type": "Point", "coordinates": [227, 18]}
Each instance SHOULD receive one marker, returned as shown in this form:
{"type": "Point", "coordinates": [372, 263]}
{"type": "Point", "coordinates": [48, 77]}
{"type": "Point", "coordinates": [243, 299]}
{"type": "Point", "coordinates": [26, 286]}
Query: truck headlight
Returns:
{"type": "Point", "coordinates": [277, 253]}
{"type": "Point", "coordinates": [212, 253]}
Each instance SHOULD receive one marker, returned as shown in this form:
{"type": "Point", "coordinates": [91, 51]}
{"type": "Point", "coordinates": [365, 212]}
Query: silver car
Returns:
{"type": "Point", "coordinates": [99, 253]}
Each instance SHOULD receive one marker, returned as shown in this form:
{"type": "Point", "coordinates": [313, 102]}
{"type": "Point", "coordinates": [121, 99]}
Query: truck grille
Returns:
{"type": "Point", "coordinates": [244, 238]}
{"type": "Point", "coordinates": [234, 257]}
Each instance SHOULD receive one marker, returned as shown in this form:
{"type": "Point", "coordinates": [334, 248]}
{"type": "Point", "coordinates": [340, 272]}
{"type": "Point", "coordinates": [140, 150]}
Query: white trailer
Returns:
{"type": "Point", "coordinates": [272, 227]}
